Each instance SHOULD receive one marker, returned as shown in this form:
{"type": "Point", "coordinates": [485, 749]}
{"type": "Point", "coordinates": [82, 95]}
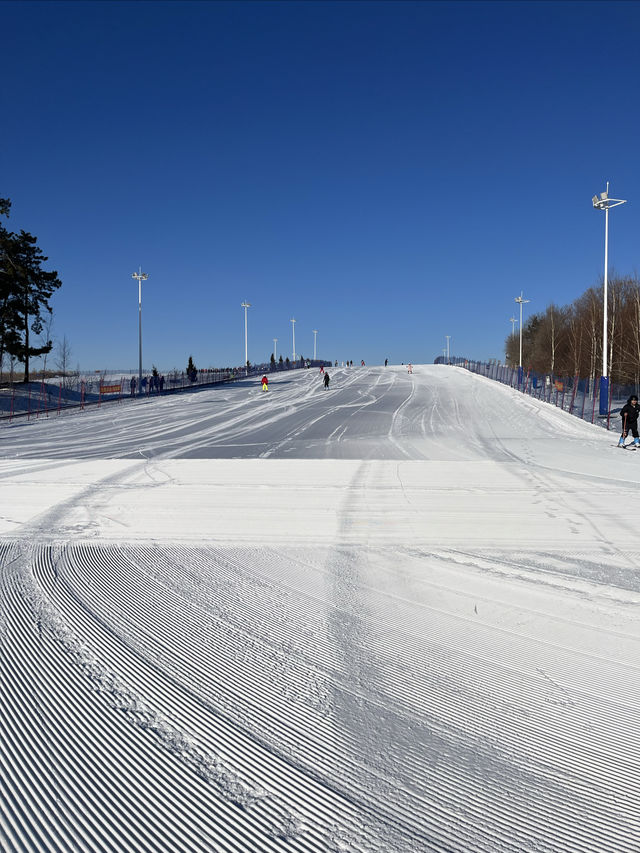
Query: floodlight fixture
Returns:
{"type": "Point", "coordinates": [245, 305]}
{"type": "Point", "coordinates": [521, 301]}
{"type": "Point", "coordinates": [140, 277]}
{"type": "Point", "coordinates": [605, 203]}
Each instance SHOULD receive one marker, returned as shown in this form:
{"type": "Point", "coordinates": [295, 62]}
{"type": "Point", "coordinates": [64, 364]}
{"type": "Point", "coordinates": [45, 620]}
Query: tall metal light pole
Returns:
{"type": "Point", "coordinates": [521, 302]}
{"type": "Point", "coordinates": [245, 305]}
{"type": "Point", "coordinates": [603, 202]}
{"type": "Point", "coordinates": [315, 333]}
{"type": "Point", "coordinates": [275, 347]}
{"type": "Point", "coordinates": [293, 329]}
{"type": "Point", "coordinates": [141, 276]}
{"type": "Point", "coordinates": [448, 337]}
{"type": "Point", "coordinates": [513, 322]}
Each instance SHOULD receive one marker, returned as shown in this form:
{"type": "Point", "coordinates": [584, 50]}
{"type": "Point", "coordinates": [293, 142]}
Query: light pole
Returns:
{"type": "Point", "coordinates": [293, 329]}
{"type": "Point", "coordinates": [245, 305]}
{"type": "Point", "coordinates": [521, 302]}
{"type": "Point", "coordinates": [513, 322]}
{"type": "Point", "coordinates": [275, 347]}
{"type": "Point", "coordinates": [448, 337]}
{"type": "Point", "coordinates": [315, 333]}
{"type": "Point", "coordinates": [603, 202]}
{"type": "Point", "coordinates": [141, 276]}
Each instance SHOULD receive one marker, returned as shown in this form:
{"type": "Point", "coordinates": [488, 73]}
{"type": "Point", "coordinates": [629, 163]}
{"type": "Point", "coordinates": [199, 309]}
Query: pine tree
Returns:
{"type": "Point", "coordinates": [25, 290]}
{"type": "Point", "coordinates": [192, 370]}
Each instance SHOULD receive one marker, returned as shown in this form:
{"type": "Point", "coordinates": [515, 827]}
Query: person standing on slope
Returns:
{"type": "Point", "coordinates": [629, 413]}
{"type": "Point", "coordinates": [326, 380]}
{"type": "Point", "coordinates": [265, 383]}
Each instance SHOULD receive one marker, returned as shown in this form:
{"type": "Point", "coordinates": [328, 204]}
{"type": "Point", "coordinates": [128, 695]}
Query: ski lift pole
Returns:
{"type": "Point", "coordinates": [609, 404]}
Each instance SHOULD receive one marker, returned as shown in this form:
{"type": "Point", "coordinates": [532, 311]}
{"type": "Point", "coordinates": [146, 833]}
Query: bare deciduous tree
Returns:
{"type": "Point", "coordinates": [63, 361]}
{"type": "Point", "coordinates": [568, 340]}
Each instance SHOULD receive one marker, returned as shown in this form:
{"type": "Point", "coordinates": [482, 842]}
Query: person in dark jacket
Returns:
{"type": "Point", "coordinates": [326, 380]}
{"type": "Point", "coordinates": [629, 414]}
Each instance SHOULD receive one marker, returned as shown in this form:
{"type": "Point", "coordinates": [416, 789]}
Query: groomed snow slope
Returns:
{"type": "Point", "coordinates": [400, 615]}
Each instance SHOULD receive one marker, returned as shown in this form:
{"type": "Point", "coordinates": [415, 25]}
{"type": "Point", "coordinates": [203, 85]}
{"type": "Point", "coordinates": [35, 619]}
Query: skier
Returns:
{"type": "Point", "coordinates": [265, 383]}
{"type": "Point", "coordinates": [629, 413]}
{"type": "Point", "coordinates": [326, 381]}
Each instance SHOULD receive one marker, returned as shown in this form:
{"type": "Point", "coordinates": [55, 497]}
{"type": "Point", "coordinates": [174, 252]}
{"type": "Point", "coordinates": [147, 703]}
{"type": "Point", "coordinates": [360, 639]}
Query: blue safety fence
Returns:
{"type": "Point", "coordinates": [592, 399]}
{"type": "Point", "coordinates": [47, 397]}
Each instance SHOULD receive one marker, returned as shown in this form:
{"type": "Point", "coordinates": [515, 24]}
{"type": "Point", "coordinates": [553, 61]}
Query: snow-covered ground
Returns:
{"type": "Point", "coordinates": [399, 615]}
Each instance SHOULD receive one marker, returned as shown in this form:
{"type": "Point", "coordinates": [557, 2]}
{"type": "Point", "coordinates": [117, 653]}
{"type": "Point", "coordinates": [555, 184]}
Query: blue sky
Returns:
{"type": "Point", "coordinates": [387, 173]}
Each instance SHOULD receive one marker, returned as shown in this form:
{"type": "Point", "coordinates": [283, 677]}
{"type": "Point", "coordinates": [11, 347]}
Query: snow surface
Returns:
{"type": "Point", "coordinates": [399, 615]}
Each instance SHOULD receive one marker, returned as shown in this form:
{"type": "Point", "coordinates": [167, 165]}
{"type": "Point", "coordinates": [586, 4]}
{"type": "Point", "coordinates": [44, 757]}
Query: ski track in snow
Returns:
{"type": "Point", "coordinates": [400, 615]}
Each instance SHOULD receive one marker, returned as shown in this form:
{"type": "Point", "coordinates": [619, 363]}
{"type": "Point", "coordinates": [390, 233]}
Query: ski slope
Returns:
{"type": "Point", "coordinates": [399, 615]}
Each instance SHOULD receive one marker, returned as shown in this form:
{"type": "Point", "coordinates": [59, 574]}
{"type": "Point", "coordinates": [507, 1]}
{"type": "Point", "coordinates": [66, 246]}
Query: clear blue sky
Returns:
{"type": "Point", "coordinates": [385, 172]}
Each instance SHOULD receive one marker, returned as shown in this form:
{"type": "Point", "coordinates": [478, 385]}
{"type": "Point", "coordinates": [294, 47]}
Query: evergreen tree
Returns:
{"type": "Point", "coordinates": [192, 370]}
{"type": "Point", "coordinates": [25, 291]}
{"type": "Point", "coordinates": [273, 360]}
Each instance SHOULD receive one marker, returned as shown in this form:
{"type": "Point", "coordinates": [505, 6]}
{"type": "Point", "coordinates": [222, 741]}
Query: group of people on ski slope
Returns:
{"type": "Point", "coordinates": [629, 414]}
{"type": "Point", "coordinates": [265, 380]}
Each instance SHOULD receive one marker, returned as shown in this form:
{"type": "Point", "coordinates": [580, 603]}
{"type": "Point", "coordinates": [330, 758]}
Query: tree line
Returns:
{"type": "Point", "coordinates": [567, 340]}
{"type": "Point", "coordinates": [25, 291]}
